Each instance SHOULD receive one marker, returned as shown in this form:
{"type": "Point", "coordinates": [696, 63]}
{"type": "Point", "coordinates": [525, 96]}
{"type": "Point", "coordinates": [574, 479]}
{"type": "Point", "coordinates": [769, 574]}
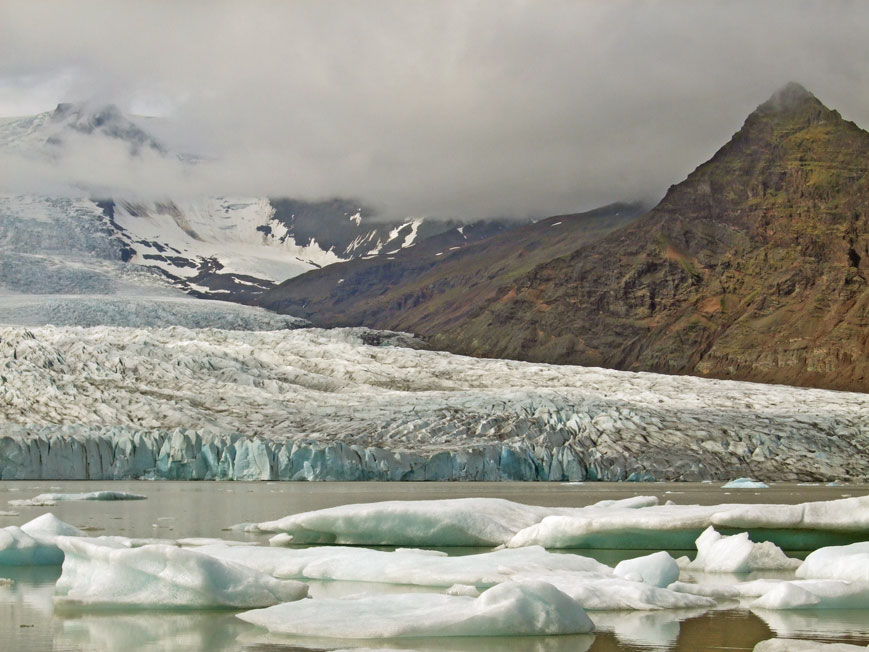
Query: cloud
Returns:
{"type": "Point", "coordinates": [452, 108]}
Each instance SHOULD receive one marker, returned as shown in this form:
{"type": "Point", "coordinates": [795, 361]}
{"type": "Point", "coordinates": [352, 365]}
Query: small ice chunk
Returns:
{"type": "Point", "coordinates": [43, 500]}
{"type": "Point", "coordinates": [745, 483]}
{"type": "Point", "coordinates": [849, 563]}
{"type": "Point", "coordinates": [463, 589]}
{"type": "Point", "coordinates": [738, 554]}
{"type": "Point", "coordinates": [508, 609]}
{"type": "Point", "coordinates": [48, 525]}
{"type": "Point", "coordinates": [161, 576]}
{"type": "Point", "coordinates": [794, 645]}
{"type": "Point", "coordinates": [658, 569]}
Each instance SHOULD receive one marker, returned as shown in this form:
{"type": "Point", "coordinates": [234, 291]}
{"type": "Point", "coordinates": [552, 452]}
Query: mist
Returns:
{"type": "Point", "coordinates": [445, 109]}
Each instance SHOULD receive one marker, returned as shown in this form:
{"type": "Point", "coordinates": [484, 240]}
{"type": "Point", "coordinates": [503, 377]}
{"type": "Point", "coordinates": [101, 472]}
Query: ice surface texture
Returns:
{"type": "Point", "coordinates": [162, 576]}
{"type": "Point", "coordinates": [509, 609]}
{"type": "Point", "coordinates": [106, 403]}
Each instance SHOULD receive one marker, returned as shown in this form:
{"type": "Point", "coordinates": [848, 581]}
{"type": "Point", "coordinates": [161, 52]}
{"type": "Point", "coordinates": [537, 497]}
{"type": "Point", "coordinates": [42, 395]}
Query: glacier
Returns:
{"type": "Point", "coordinates": [112, 402]}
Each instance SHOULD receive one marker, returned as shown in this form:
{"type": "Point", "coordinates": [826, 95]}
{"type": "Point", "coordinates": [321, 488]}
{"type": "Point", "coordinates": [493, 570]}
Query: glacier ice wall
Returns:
{"type": "Point", "coordinates": [307, 404]}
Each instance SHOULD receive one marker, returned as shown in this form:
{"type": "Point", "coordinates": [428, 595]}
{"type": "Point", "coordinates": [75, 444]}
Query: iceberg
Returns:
{"type": "Point", "coordinates": [850, 563]}
{"type": "Point", "coordinates": [403, 566]}
{"type": "Point", "coordinates": [658, 569]}
{"type": "Point", "coordinates": [508, 609]}
{"type": "Point", "coordinates": [34, 543]}
{"type": "Point", "coordinates": [435, 523]}
{"type": "Point", "coordinates": [738, 554]}
{"type": "Point", "coordinates": [638, 523]}
{"type": "Point", "coordinates": [52, 499]}
{"type": "Point", "coordinates": [745, 483]}
{"type": "Point", "coordinates": [106, 575]}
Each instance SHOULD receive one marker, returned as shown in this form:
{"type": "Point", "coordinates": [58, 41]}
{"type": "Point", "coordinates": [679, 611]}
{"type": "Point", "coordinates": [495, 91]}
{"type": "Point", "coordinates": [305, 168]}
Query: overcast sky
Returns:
{"type": "Point", "coordinates": [427, 107]}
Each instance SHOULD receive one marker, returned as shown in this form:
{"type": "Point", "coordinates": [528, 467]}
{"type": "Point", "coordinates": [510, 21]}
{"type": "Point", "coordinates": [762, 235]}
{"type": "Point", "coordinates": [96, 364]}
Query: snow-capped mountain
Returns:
{"type": "Point", "coordinates": [231, 248]}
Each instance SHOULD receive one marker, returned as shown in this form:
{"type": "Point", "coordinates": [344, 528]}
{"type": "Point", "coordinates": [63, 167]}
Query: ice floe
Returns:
{"type": "Point", "coordinates": [50, 499]}
{"type": "Point", "coordinates": [160, 576]}
{"type": "Point", "coordinates": [508, 609]}
{"type": "Point", "coordinates": [850, 563]}
{"type": "Point", "coordinates": [404, 566]}
{"type": "Point", "coordinates": [738, 554]}
{"type": "Point", "coordinates": [634, 524]}
{"type": "Point", "coordinates": [658, 569]}
{"type": "Point", "coordinates": [745, 483]}
{"type": "Point", "coordinates": [34, 543]}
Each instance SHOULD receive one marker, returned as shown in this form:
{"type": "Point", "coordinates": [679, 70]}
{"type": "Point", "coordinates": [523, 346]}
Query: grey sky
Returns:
{"type": "Point", "coordinates": [432, 107]}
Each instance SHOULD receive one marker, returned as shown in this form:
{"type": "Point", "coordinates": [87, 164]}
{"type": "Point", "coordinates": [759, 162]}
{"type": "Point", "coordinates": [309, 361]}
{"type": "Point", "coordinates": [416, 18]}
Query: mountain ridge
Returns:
{"type": "Point", "coordinates": [752, 268]}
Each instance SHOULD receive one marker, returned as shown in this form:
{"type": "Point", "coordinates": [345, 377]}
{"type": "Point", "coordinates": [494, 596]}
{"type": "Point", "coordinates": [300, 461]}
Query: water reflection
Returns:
{"type": "Point", "coordinates": [258, 641]}
{"type": "Point", "coordinates": [150, 631]}
{"type": "Point", "coordinates": [28, 620]}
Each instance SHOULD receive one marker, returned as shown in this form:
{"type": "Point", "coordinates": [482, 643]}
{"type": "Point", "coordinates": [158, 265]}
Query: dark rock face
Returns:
{"type": "Point", "coordinates": [442, 279]}
{"type": "Point", "coordinates": [753, 268]}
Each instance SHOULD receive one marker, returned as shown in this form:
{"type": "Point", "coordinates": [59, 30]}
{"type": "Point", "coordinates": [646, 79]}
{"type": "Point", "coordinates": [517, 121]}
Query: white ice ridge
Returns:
{"type": "Point", "coordinates": [53, 499]}
{"type": "Point", "coordinates": [637, 523]}
{"type": "Point", "coordinates": [850, 563]}
{"type": "Point", "coordinates": [508, 609]}
{"type": "Point", "coordinates": [100, 574]}
{"type": "Point", "coordinates": [110, 403]}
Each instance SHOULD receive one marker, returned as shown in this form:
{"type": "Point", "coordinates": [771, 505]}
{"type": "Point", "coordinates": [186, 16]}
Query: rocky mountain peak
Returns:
{"type": "Point", "coordinates": [106, 119]}
{"type": "Point", "coordinates": [789, 97]}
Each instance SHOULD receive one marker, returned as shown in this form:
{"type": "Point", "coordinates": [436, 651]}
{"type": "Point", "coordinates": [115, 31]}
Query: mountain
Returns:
{"type": "Point", "coordinates": [229, 248]}
{"type": "Point", "coordinates": [443, 279]}
{"type": "Point", "coordinates": [752, 268]}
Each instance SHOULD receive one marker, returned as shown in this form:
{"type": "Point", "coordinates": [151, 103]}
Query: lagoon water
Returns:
{"type": "Point", "coordinates": [29, 620]}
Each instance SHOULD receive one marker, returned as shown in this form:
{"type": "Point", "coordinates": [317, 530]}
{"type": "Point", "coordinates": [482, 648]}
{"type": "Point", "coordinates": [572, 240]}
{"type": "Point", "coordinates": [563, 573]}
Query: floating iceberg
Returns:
{"type": "Point", "coordinates": [786, 594]}
{"type": "Point", "coordinates": [658, 569]}
{"type": "Point", "coordinates": [52, 499]}
{"type": "Point", "coordinates": [638, 523]}
{"type": "Point", "coordinates": [738, 554]}
{"type": "Point", "coordinates": [850, 563]}
{"type": "Point", "coordinates": [161, 576]}
{"type": "Point", "coordinates": [403, 566]}
{"type": "Point", "coordinates": [435, 523]}
{"type": "Point", "coordinates": [508, 609]}
{"type": "Point", "coordinates": [745, 483]}
{"type": "Point", "coordinates": [34, 543]}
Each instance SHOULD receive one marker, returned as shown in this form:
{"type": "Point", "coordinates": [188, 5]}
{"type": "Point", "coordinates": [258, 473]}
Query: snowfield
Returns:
{"type": "Point", "coordinates": [352, 404]}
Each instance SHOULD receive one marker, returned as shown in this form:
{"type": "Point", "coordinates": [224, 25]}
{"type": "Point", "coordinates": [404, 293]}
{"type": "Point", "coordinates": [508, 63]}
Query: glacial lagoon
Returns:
{"type": "Point", "coordinates": [175, 510]}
